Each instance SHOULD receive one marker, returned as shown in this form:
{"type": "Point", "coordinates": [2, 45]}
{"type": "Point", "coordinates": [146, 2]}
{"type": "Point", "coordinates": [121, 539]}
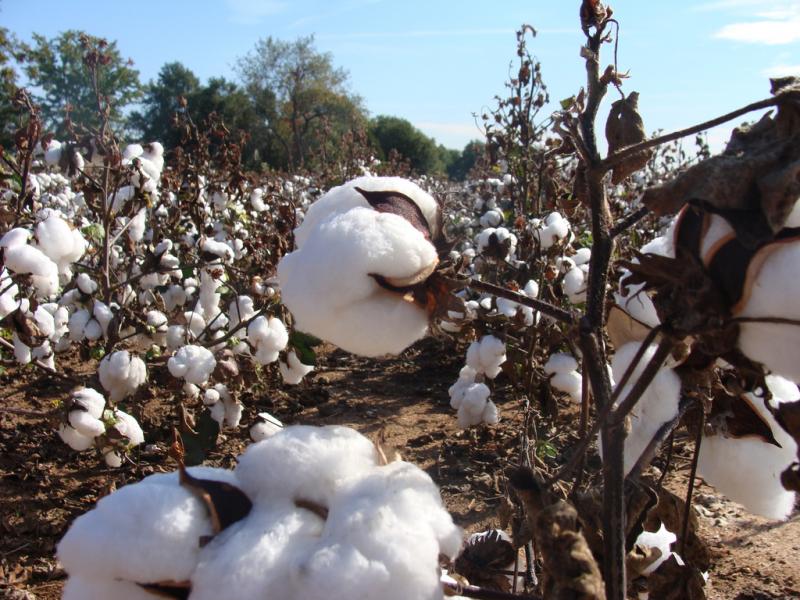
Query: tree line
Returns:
{"type": "Point", "coordinates": [288, 98]}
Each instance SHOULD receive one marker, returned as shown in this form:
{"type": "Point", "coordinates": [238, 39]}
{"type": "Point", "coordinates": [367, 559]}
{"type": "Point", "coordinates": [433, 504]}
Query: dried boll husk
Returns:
{"type": "Point", "coordinates": [624, 127]}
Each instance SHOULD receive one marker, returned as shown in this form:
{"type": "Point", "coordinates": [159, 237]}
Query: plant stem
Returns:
{"type": "Point", "coordinates": [544, 307]}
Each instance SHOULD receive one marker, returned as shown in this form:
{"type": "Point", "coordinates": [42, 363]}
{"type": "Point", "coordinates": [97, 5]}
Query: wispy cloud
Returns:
{"type": "Point", "coordinates": [773, 23]}
{"type": "Point", "coordinates": [782, 71]}
{"type": "Point", "coordinates": [253, 12]}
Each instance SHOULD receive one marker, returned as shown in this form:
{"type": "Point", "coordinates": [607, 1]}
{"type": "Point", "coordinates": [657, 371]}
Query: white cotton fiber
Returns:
{"type": "Point", "coordinates": [144, 533]}
{"type": "Point", "coordinates": [328, 285]}
{"type": "Point", "coordinates": [121, 374]}
{"type": "Point", "coordinates": [560, 363]}
{"type": "Point", "coordinates": [265, 426]}
{"type": "Point", "coordinates": [774, 294]}
{"type": "Point", "coordinates": [293, 370]}
{"type": "Point", "coordinates": [747, 470]}
{"type": "Point", "coordinates": [657, 405]}
{"type": "Point", "coordinates": [193, 363]}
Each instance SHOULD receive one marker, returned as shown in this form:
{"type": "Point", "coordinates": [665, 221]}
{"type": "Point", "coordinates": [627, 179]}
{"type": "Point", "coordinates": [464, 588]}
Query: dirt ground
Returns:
{"type": "Point", "coordinates": [402, 403]}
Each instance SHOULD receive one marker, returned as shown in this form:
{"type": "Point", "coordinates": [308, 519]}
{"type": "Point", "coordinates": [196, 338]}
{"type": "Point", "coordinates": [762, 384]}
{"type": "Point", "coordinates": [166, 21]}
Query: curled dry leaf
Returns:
{"type": "Point", "coordinates": [485, 558]}
{"type": "Point", "coordinates": [624, 127]}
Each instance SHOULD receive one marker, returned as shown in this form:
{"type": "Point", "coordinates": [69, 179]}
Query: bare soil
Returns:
{"type": "Point", "coordinates": [401, 403]}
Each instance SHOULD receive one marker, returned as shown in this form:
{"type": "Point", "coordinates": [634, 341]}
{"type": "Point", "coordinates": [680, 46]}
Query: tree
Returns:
{"type": "Point", "coordinates": [58, 67]}
{"type": "Point", "coordinates": [11, 51]}
{"type": "Point", "coordinates": [299, 94]}
{"type": "Point", "coordinates": [461, 166]}
{"type": "Point", "coordinates": [161, 102]}
{"type": "Point", "coordinates": [394, 133]}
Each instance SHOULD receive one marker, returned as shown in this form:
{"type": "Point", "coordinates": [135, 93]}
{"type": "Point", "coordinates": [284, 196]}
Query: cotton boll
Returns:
{"type": "Point", "coordinates": [60, 242]}
{"type": "Point", "coordinates": [240, 309]}
{"type": "Point", "coordinates": [103, 314]}
{"type": "Point", "coordinates": [569, 382]}
{"type": "Point", "coordinates": [77, 324]}
{"type": "Point", "coordinates": [466, 378]}
{"type": "Point", "coordinates": [79, 588]}
{"type": "Point", "coordinates": [22, 352]}
{"type": "Point", "coordinates": [86, 284]}
{"type": "Point", "coordinates": [195, 323]}
{"type": "Point", "coordinates": [748, 470]}
{"type": "Point", "coordinates": [144, 532]}
{"type": "Point", "coordinates": [75, 440]}
{"type": "Point", "coordinates": [491, 218]}
{"type": "Point", "coordinates": [173, 297]}
{"type": "Point", "coordinates": [773, 294]}
{"type": "Point", "coordinates": [555, 228]}
{"type": "Point", "coordinates": [176, 336]}
{"type": "Point", "coordinates": [265, 426]}
{"type": "Point", "coordinates": [575, 286]}
{"type": "Point", "coordinates": [121, 374]}
{"type": "Point", "coordinates": [127, 426]}
{"type": "Point", "coordinates": [657, 405]}
{"type": "Point", "coordinates": [137, 225]}
{"type": "Point", "coordinates": [492, 354]}
{"type": "Point", "coordinates": [560, 363]}
{"type": "Point", "coordinates": [472, 407]}
{"type": "Point", "coordinates": [328, 284]}
{"type": "Point", "coordinates": [507, 307]}
{"type": "Point", "coordinates": [660, 540]}
{"type": "Point", "coordinates": [193, 363]}
{"type": "Point", "coordinates": [14, 238]}
{"type": "Point", "coordinates": [120, 197]}
{"type": "Point", "coordinates": [219, 249]}
{"type": "Point", "coordinates": [293, 370]}
{"type": "Point", "coordinates": [132, 151]}
{"type": "Point", "coordinates": [582, 256]}
{"type": "Point", "coordinates": [257, 200]}
{"type": "Point", "coordinates": [28, 259]}
{"type": "Point", "coordinates": [269, 337]}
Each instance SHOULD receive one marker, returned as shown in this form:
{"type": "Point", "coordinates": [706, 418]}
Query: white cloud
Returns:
{"type": "Point", "coordinates": [770, 32]}
{"type": "Point", "coordinates": [782, 71]}
{"type": "Point", "coordinates": [251, 12]}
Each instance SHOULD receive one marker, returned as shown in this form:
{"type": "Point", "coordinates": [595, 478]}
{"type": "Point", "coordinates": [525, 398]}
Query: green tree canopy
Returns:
{"type": "Point", "coordinates": [462, 165]}
{"type": "Point", "coordinates": [394, 133]}
{"type": "Point", "coordinates": [56, 67]}
{"type": "Point", "coordinates": [299, 95]}
{"type": "Point", "coordinates": [10, 51]}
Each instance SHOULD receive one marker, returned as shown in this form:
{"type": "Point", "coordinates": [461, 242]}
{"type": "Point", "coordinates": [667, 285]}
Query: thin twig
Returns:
{"type": "Point", "coordinates": [473, 591]}
{"type": "Point", "coordinates": [616, 158]}
{"type": "Point", "coordinates": [690, 491]}
{"type": "Point", "coordinates": [543, 307]}
{"type": "Point", "coordinates": [629, 221]}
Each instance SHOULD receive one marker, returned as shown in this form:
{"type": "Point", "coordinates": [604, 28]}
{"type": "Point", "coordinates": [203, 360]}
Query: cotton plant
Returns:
{"type": "Point", "coordinates": [90, 424]}
{"type": "Point", "coordinates": [469, 395]}
{"type": "Point", "coordinates": [307, 513]}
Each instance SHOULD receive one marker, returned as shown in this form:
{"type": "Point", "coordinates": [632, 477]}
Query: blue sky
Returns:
{"type": "Point", "coordinates": [437, 62]}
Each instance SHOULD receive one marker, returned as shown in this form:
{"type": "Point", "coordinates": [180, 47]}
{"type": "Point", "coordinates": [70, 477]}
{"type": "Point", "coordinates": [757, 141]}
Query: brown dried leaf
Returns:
{"type": "Point", "coordinates": [400, 204]}
{"type": "Point", "coordinates": [482, 558]}
{"type": "Point", "coordinates": [168, 589]}
{"type": "Point", "coordinates": [672, 581]}
{"type": "Point", "coordinates": [624, 127]}
{"type": "Point", "coordinates": [623, 328]}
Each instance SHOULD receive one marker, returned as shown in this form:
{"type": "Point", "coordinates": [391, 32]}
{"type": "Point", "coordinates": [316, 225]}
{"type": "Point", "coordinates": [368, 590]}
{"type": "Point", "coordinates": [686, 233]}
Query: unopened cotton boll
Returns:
{"type": "Point", "coordinates": [192, 363]}
{"type": "Point", "coordinates": [121, 374]}
{"type": "Point", "coordinates": [748, 470]}
{"type": "Point", "coordinates": [656, 406]}
{"type": "Point", "coordinates": [329, 281]}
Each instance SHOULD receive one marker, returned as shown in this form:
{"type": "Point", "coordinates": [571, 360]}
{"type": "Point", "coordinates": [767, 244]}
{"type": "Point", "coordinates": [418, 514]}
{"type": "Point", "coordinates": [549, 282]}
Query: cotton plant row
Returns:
{"type": "Point", "coordinates": [307, 513]}
{"type": "Point", "coordinates": [137, 275]}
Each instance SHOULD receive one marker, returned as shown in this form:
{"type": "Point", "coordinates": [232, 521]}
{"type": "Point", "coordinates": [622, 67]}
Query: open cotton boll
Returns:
{"type": "Point", "coordinates": [293, 370]}
{"type": "Point", "coordinates": [28, 259]}
{"type": "Point", "coordinates": [343, 198]}
{"type": "Point", "coordinates": [219, 249]}
{"type": "Point", "coordinates": [269, 337]}
{"type": "Point", "coordinates": [306, 462]}
{"type": "Point", "coordinates": [128, 427]}
{"type": "Point", "coordinates": [137, 225]}
{"type": "Point", "coordinates": [774, 294]}
{"type": "Point", "coordinates": [265, 426]}
{"type": "Point", "coordinates": [475, 407]}
{"type": "Point", "coordinates": [60, 242]}
{"type": "Point", "coordinates": [748, 470]}
{"type": "Point", "coordinates": [569, 382]}
{"type": "Point", "coordinates": [560, 363]}
{"type": "Point", "coordinates": [8, 294]}
{"type": "Point", "coordinates": [121, 374]}
{"type": "Point", "coordinates": [492, 352]}
{"type": "Point", "coordinates": [144, 532]}
{"type": "Point", "coordinates": [240, 309]}
{"type": "Point", "coordinates": [491, 218]}
{"type": "Point", "coordinates": [660, 540]}
{"type": "Point", "coordinates": [575, 285]}
{"type": "Point", "coordinates": [193, 363]}
{"type": "Point", "coordinates": [120, 197]}
{"type": "Point", "coordinates": [195, 323]}
{"type": "Point", "coordinates": [466, 377]}
{"type": "Point", "coordinates": [257, 200]}
{"type": "Point", "coordinates": [657, 405]}
{"type": "Point", "coordinates": [553, 229]}
{"type": "Point", "coordinates": [86, 284]}
{"type": "Point", "coordinates": [329, 286]}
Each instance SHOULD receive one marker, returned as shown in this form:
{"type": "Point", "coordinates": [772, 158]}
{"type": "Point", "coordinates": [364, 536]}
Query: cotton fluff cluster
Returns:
{"type": "Point", "coordinates": [327, 522]}
{"type": "Point", "coordinates": [269, 337]}
{"type": "Point", "coordinates": [21, 257]}
{"type": "Point", "coordinates": [192, 363]}
{"type": "Point", "coordinates": [497, 242]}
{"type": "Point", "coordinates": [224, 409]}
{"type": "Point", "coordinates": [121, 374]}
{"type": "Point", "coordinates": [511, 309]}
{"type": "Point", "coordinates": [469, 395]}
{"type": "Point", "coordinates": [552, 230]}
{"type": "Point", "coordinates": [265, 426]}
{"type": "Point", "coordinates": [748, 470]}
{"type": "Point", "coordinates": [89, 424]}
{"type": "Point", "coordinates": [329, 282]}
{"type": "Point", "coordinates": [656, 406]}
{"type": "Point", "coordinates": [563, 372]}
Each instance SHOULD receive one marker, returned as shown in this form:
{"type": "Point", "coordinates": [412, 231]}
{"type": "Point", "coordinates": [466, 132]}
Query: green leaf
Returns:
{"type": "Point", "coordinates": [197, 445]}
{"type": "Point", "coordinates": [303, 345]}
{"type": "Point", "coordinates": [566, 103]}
